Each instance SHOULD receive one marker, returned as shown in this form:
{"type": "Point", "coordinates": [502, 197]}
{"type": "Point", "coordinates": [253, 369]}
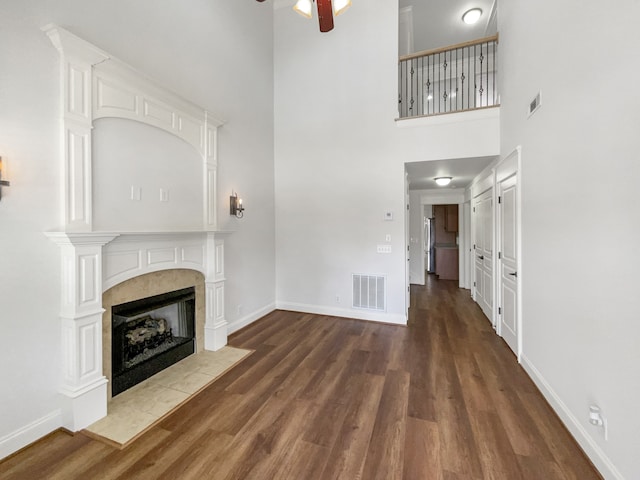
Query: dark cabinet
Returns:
{"type": "Point", "coordinates": [451, 218]}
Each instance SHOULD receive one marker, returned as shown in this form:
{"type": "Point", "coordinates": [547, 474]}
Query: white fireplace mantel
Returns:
{"type": "Point", "coordinates": [95, 85]}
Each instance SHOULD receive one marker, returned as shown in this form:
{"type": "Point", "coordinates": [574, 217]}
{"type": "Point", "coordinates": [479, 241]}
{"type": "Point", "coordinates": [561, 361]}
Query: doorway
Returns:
{"type": "Point", "coordinates": [508, 247]}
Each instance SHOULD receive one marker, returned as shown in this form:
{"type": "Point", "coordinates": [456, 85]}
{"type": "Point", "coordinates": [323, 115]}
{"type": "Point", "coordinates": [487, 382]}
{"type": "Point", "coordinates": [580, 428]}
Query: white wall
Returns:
{"type": "Point", "coordinates": [131, 155]}
{"type": "Point", "coordinates": [340, 156]}
{"type": "Point", "coordinates": [216, 54]}
{"type": "Point", "coordinates": [581, 227]}
{"type": "Point", "coordinates": [416, 239]}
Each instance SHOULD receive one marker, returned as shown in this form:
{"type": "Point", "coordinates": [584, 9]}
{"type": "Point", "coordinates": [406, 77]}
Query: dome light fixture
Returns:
{"type": "Point", "coordinates": [472, 16]}
{"type": "Point", "coordinates": [443, 181]}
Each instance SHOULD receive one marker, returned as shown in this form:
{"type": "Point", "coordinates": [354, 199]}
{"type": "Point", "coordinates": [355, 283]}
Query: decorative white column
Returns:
{"type": "Point", "coordinates": [83, 385]}
{"type": "Point", "coordinates": [211, 173]}
{"type": "Point", "coordinates": [215, 329]}
{"type": "Point", "coordinates": [77, 58]}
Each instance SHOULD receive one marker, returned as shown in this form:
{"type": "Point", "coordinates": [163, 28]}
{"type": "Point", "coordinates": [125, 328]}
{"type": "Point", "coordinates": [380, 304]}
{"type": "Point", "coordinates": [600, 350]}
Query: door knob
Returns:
{"type": "Point", "coordinates": [481, 257]}
{"type": "Point", "coordinates": [515, 274]}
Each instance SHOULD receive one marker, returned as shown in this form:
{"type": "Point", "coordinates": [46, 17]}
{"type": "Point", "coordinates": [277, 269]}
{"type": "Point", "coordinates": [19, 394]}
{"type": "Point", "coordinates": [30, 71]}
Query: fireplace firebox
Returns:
{"type": "Point", "coordinates": [149, 335]}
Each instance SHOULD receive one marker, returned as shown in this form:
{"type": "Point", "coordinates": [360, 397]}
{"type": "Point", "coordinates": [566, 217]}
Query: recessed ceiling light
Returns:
{"type": "Point", "coordinates": [443, 181]}
{"type": "Point", "coordinates": [472, 16]}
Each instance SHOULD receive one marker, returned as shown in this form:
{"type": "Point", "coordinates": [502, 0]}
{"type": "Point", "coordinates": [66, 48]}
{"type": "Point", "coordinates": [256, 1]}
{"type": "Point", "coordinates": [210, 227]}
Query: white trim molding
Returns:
{"type": "Point", "coordinates": [94, 262]}
{"type": "Point", "coordinates": [249, 319]}
{"type": "Point", "coordinates": [96, 85]}
{"type": "Point", "coordinates": [84, 387]}
{"type": "Point", "coordinates": [599, 458]}
{"type": "Point", "coordinates": [30, 433]}
{"type": "Point", "coordinates": [396, 319]}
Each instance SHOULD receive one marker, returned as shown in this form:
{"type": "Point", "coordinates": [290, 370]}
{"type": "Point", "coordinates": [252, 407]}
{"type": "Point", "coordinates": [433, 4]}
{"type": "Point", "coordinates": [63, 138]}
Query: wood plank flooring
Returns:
{"type": "Point", "coordinates": [327, 398]}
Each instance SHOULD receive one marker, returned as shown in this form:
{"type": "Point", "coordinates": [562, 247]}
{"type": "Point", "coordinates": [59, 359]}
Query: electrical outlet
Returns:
{"type": "Point", "coordinates": [239, 309]}
{"type": "Point", "coordinates": [337, 298]}
{"type": "Point", "coordinates": [387, 237]}
{"type": "Point", "coordinates": [164, 195]}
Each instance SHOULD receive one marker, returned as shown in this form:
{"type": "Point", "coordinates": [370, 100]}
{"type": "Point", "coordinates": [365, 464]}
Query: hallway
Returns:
{"type": "Point", "coordinates": [491, 420]}
{"type": "Point", "coordinates": [327, 398]}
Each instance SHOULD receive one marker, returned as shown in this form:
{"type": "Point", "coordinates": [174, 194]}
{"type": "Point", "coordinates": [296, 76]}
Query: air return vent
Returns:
{"type": "Point", "coordinates": [369, 292]}
{"type": "Point", "coordinates": [534, 105]}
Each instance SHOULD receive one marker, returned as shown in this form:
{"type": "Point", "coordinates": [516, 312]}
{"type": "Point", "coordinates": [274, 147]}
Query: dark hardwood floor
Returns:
{"type": "Point", "coordinates": [329, 398]}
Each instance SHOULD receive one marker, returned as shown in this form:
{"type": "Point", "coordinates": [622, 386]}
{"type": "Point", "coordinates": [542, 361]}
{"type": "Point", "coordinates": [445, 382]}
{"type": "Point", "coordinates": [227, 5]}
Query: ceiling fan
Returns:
{"type": "Point", "coordinates": [326, 10]}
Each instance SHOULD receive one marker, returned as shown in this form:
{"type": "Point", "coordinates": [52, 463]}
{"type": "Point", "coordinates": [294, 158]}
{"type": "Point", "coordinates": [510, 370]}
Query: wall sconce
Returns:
{"type": "Point", "coordinates": [236, 207]}
{"type": "Point", "coordinates": [3, 183]}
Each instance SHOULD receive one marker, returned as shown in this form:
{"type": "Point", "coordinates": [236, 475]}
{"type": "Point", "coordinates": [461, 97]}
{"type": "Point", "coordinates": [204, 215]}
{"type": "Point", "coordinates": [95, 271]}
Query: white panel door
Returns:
{"type": "Point", "coordinates": [508, 266]}
{"type": "Point", "coordinates": [483, 251]}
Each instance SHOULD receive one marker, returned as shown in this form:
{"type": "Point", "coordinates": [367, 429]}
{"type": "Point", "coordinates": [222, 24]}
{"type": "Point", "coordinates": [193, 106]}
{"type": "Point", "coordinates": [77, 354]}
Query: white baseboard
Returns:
{"type": "Point", "coordinates": [249, 319]}
{"type": "Point", "coordinates": [588, 444]}
{"type": "Point", "coordinates": [28, 434]}
{"type": "Point", "coordinates": [396, 319]}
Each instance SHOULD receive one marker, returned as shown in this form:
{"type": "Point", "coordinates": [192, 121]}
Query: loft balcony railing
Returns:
{"type": "Point", "coordinates": [450, 79]}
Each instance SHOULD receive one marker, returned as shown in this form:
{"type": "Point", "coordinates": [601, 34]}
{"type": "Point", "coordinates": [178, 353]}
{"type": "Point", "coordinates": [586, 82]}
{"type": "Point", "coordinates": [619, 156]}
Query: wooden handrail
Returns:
{"type": "Point", "coordinates": [492, 38]}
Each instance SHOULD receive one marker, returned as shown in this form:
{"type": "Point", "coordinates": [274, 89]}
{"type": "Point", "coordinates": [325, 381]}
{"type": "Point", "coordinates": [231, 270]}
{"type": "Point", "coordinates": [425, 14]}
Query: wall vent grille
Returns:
{"type": "Point", "coordinates": [369, 292]}
{"type": "Point", "coordinates": [534, 105]}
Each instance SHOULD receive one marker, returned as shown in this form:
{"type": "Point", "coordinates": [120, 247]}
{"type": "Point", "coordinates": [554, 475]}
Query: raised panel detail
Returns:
{"type": "Point", "coordinates": [159, 114]}
{"type": "Point", "coordinates": [89, 281]}
{"type": "Point", "coordinates": [78, 95]}
{"type": "Point", "coordinates": [210, 192]}
{"type": "Point", "coordinates": [193, 254]}
{"type": "Point", "coordinates": [219, 260]}
{"type": "Point", "coordinates": [77, 175]}
{"type": "Point", "coordinates": [118, 263]}
{"type": "Point", "coordinates": [212, 139]}
{"type": "Point", "coordinates": [87, 335]}
{"type": "Point", "coordinates": [219, 303]}
{"type": "Point", "coordinates": [210, 301]}
{"type": "Point", "coordinates": [111, 96]}
{"type": "Point", "coordinates": [161, 255]}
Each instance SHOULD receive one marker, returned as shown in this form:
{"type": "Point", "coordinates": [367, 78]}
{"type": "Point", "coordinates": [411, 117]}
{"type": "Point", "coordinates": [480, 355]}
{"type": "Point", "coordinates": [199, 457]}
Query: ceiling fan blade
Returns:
{"type": "Point", "coordinates": [325, 15]}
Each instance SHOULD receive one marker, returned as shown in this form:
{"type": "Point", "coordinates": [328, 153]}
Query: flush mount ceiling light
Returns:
{"type": "Point", "coordinates": [327, 9]}
{"type": "Point", "coordinates": [443, 181]}
{"type": "Point", "coordinates": [472, 16]}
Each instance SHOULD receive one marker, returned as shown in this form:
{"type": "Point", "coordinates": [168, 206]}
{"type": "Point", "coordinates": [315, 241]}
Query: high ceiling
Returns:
{"type": "Point", "coordinates": [438, 23]}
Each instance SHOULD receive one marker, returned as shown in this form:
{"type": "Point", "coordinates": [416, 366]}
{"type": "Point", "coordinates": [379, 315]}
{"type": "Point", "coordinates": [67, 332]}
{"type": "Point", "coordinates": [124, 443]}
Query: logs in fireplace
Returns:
{"type": "Point", "coordinates": [149, 335]}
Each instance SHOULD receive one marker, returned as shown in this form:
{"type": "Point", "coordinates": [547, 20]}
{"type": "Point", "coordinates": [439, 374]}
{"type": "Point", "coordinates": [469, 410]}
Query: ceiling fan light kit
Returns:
{"type": "Point", "coordinates": [303, 7]}
{"type": "Point", "coordinates": [326, 10]}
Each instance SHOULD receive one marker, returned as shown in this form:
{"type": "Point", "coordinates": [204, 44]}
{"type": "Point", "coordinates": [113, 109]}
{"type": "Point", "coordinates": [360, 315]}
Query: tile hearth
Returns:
{"type": "Point", "coordinates": [134, 411]}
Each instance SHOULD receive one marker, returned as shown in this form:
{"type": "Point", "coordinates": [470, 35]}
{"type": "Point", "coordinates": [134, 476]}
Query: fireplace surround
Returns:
{"type": "Point", "coordinates": [149, 285]}
{"type": "Point", "coordinates": [96, 85]}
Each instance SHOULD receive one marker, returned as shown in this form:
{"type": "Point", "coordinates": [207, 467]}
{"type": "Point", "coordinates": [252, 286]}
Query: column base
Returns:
{"type": "Point", "coordinates": [215, 337]}
{"type": "Point", "coordinates": [84, 406]}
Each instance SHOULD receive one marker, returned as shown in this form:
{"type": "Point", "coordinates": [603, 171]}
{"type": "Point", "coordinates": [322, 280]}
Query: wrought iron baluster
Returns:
{"type": "Point", "coordinates": [462, 78]}
{"type": "Point", "coordinates": [400, 90]}
{"type": "Point", "coordinates": [450, 80]}
{"type": "Point", "coordinates": [428, 84]}
{"type": "Point", "coordinates": [495, 71]}
{"type": "Point", "coordinates": [457, 79]}
{"type": "Point", "coordinates": [481, 64]}
{"type": "Point", "coordinates": [475, 76]}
